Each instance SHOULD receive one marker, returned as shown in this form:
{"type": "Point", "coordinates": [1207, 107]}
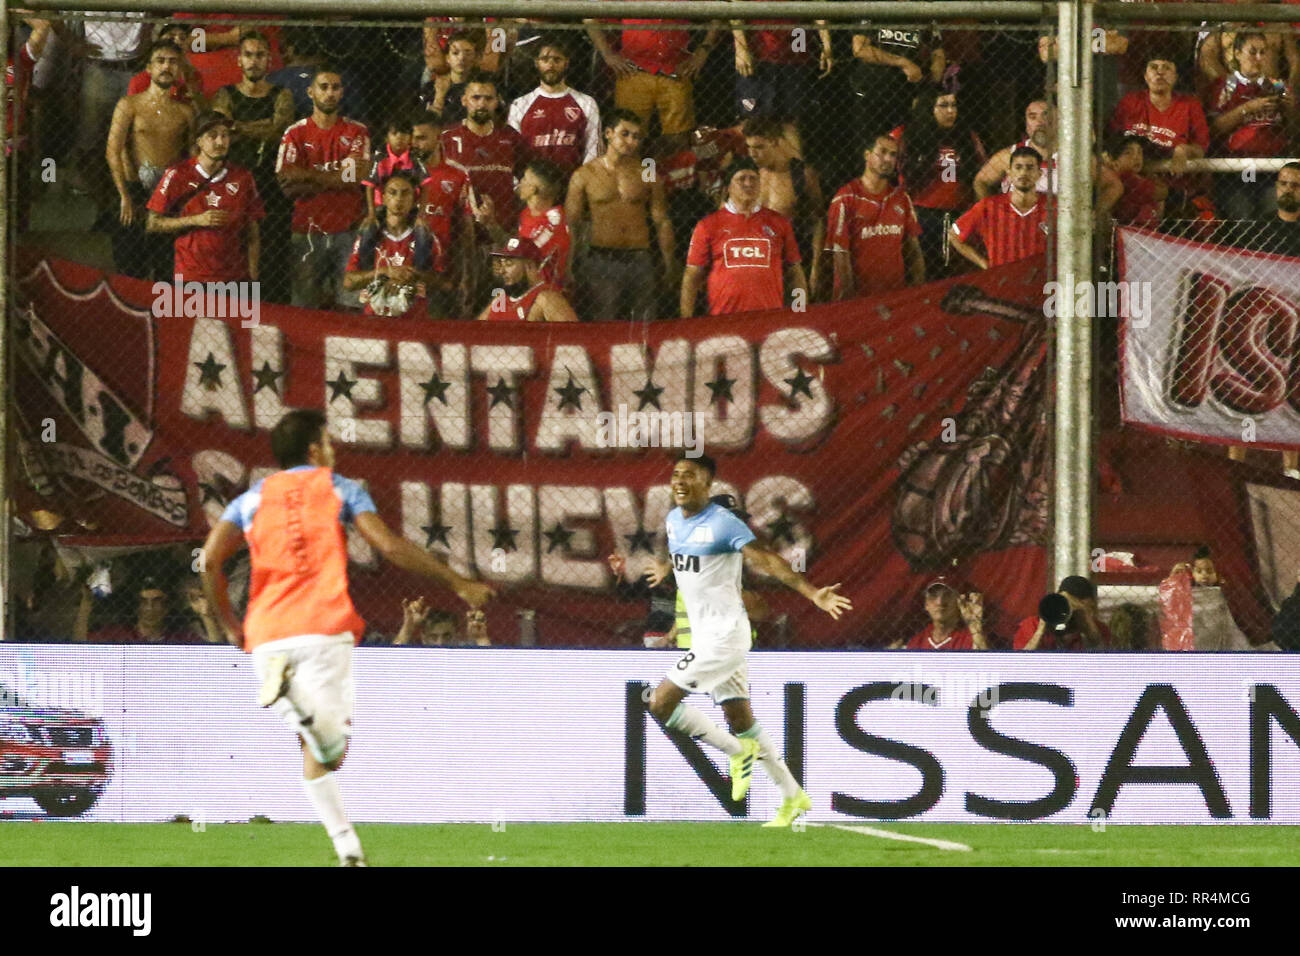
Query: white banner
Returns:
{"type": "Point", "coordinates": [1214, 358]}
{"type": "Point", "coordinates": [545, 735]}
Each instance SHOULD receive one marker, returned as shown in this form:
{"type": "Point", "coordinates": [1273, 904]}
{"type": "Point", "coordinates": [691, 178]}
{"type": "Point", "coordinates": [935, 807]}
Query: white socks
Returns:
{"type": "Point", "coordinates": [323, 792]}
{"type": "Point", "coordinates": [694, 724]}
{"type": "Point", "coordinates": [769, 757]}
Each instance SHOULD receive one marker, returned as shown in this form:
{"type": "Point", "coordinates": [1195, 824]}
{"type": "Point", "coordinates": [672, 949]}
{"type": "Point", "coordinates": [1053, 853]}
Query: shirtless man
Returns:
{"type": "Point", "coordinates": [618, 275]}
{"type": "Point", "coordinates": [149, 132]}
{"type": "Point", "coordinates": [1040, 134]}
{"type": "Point", "coordinates": [789, 186]}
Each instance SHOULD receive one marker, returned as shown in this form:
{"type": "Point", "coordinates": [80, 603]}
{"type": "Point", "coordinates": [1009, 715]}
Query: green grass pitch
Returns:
{"type": "Point", "coordinates": [645, 844]}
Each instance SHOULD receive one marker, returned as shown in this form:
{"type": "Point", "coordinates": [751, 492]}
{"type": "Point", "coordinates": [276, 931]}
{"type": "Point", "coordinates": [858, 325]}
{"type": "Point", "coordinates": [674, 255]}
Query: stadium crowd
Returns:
{"type": "Point", "coordinates": [630, 170]}
{"type": "Point", "coordinates": [644, 164]}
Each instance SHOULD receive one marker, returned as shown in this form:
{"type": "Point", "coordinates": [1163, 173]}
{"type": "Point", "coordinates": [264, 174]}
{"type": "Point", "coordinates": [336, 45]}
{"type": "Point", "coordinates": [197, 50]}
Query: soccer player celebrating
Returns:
{"type": "Point", "coordinates": [747, 251]}
{"type": "Point", "coordinates": [300, 626]}
{"type": "Point", "coordinates": [709, 544]}
{"type": "Point", "coordinates": [1012, 225]}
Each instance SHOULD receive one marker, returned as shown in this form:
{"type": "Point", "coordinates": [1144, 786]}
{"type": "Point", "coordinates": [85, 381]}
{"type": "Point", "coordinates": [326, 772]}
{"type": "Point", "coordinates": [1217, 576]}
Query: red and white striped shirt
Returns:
{"type": "Point", "coordinates": [1009, 235]}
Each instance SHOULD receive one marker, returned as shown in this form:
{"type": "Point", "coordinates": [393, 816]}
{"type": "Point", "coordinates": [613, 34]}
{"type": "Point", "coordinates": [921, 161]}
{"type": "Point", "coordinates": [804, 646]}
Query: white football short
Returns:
{"type": "Point", "coordinates": [720, 669]}
{"type": "Point", "coordinates": [320, 684]}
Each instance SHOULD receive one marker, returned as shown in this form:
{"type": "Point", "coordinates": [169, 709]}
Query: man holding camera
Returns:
{"type": "Point", "coordinates": [1067, 621]}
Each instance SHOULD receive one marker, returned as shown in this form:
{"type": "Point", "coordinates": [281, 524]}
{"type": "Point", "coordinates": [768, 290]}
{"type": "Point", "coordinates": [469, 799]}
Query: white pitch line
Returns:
{"type": "Point", "coordinates": [891, 835]}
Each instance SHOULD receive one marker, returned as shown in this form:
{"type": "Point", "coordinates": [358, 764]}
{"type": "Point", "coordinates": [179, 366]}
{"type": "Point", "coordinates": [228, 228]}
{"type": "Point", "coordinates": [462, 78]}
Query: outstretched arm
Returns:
{"type": "Point", "coordinates": [397, 550]}
{"type": "Point", "coordinates": [769, 562]}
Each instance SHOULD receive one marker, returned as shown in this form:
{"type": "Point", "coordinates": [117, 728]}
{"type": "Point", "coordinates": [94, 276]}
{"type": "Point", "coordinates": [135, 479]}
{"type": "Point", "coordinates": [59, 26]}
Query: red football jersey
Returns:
{"type": "Point", "coordinates": [947, 187]}
{"type": "Point", "coordinates": [1183, 122]}
{"type": "Point", "coordinates": [1138, 205]}
{"type": "Point", "coordinates": [1046, 171]}
{"type": "Point", "coordinates": [655, 51]}
{"type": "Point", "coordinates": [1009, 235]}
{"type": "Point", "coordinates": [509, 308]}
{"type": "Point", "coordinates": [549, 232]}
{"type": "Point", "coordinates": [1264, 134]}
{"type": "Point", "coordinates": [871, 227]}
{"type": "Point", "coordinates": [958, 640]}
{"type": "Point", "coordinates": [444, 201]}
{"type": "Point", "coordinates": [209, 253]}
{"type": "Point", "coordinates": [563, 128]}
{"type": "Point", "coordinates": [400, 250]}
{"type": "Point", "coordinates": [307, 146]}
{"type": "Point", "coordinates": [490, 162]}
{"type": "Point", "coordinates": [778, 46]}
{"type": "Point", "coordinates": [746, 255]}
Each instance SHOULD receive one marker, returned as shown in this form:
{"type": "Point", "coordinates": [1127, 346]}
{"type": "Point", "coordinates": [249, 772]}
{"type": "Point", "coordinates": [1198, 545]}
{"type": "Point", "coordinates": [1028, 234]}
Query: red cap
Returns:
{"type": "Point", "coordinates": [518, 248]}
{"type": "Point", "coordinates": [946, 581]}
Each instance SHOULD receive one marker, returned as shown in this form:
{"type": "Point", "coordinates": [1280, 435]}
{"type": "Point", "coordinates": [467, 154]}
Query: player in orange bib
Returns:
{"type": "Point", "coordinates": [300, 625]}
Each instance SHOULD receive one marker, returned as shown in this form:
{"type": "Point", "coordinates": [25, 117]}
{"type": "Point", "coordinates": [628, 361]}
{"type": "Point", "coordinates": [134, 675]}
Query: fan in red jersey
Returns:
{"type": "Point", "coordinates": [956, 615]}
{"type": "Point", "coordinates": [1173, 123]}
{"type": "Point", "coordinates": [523, 296]}
{"type": "Point", "coordinates": [1250, 114]}
{"type": "Point", "coordinates": [748, 252]}
{"type": "Point", "coordinates": [445, 208]}
{"type": "Point", "coordinates": [320, 166]}
{"type": "Point", "coordinates": [487, 152]}
{"type": "Point", "coordinates": [542, 221]}
{"type": "Point", "coordinates": [871, 230]}
{"type": "Point", "coordinates": [1012, 226]}
{"type": "Point", "coordinates": [213, 207]}
{"type": "Point", "coordinates": [398, 259]}
{"type": "Point", "coordinates": [557, 122]}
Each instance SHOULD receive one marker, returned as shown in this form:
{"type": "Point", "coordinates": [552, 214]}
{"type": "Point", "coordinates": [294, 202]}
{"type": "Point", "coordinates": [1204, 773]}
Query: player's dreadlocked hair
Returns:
{"type": "Point", "coordinates": [294, 434]}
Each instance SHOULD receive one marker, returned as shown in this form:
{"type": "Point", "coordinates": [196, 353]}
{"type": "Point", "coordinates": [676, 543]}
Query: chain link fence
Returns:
{"type": "Point", "coordinates": [400, 180]}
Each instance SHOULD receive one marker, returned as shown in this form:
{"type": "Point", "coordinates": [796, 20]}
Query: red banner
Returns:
{"type": "Point", "coordinates": [872, 442]}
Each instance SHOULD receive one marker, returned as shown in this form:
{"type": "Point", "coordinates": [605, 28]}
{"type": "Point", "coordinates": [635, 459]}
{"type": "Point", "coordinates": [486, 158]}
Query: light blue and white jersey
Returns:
{"type": "Point", "coordinates": [707, 564]}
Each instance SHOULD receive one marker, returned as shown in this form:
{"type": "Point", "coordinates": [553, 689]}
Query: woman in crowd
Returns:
{"type": "Point", "coordinates": [940, 156]}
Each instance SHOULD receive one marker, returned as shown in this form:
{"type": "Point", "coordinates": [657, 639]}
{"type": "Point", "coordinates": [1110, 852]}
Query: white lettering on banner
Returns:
{"type": "Point", "coordinates": [952, 738]}
{"type": "Point", "coordinates": [1220, 341]}
{"type": "Point", "coordinates": [162, 495]}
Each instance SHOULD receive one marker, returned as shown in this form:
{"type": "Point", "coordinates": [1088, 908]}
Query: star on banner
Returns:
{"type": "Point", "coordinates": [571, 394]}
{"type": "Point", "coordinates": [500, 393]}
{"type": "Point", "coordinates": [341, 386]}
{"type": "Point", "coordinates": [721, 388]}
{"type": "Point", "coordinates": [210, 371]}
{"type": "Point", "coordinates": [649, 395]}
{"type": "Point", "coordinates": [782, 527]}
{"type": "Point", "coordinates": [558, 537]}
{"type": "Point", "coordinates": [800, 383]}
{"type": "Point", "coordinates": [265, 378]}
{"type": "Point", "coordinates": [437, 531]}
{"type": "Point", "coordinates": [504, 538]}
{"type": "Point", "coordinates": [435, 387]}
{"type": "Point", "coordinates": [641, 538]}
